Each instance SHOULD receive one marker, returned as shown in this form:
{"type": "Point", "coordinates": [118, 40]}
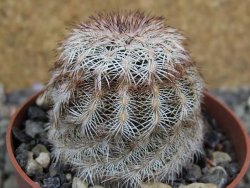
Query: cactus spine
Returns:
{"type": "Point", "coordinates": [126, 101]}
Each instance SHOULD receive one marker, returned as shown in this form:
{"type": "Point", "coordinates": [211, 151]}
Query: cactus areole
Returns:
{"type": "Point", "coordinates": [126, 101]}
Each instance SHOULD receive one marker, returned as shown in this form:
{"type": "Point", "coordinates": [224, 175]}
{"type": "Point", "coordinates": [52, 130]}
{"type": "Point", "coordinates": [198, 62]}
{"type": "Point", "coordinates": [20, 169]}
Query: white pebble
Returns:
{"type": "Point", "coordinates": [43, 159]}
{"type": "Point", "coordinates": [33, 167]}
{"type": "Point", "coordinates": [77, 183]}
{"type": "Point", "coordinates": [39, 148]}
{"type": "Point", "coordinates": [68, 177]}
{"type": "Point", "coordinates": [220, 157]}
{"type": "Point", "coordinates": [43, 101]}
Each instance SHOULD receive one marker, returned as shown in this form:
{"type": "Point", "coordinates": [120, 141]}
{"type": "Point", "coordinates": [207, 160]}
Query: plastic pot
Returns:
{"type": "Point", "coordinates": [213, 107]}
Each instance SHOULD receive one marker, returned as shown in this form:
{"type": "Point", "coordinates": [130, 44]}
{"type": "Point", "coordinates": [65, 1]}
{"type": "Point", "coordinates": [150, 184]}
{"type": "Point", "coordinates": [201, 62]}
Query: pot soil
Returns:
{"type": "Point", "coordinates": [227, 130]}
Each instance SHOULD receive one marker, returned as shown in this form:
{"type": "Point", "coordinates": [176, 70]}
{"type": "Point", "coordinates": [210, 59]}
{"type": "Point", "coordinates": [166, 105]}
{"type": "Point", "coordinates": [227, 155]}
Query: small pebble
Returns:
{"type": "Point", "coordinates": [199, 185]}
{"type": "Point", "coordinates": [32, 167]}
{"type": "Point", "coordinates": [177, 183]}
{"type": "Point", "coordinates": [39, 148]}
{"type": "Point", "coordinates": [51, 182]}
{"type": "Point", "coordinates": [232, 169]}
{"type": "Point", "coordinates": [37, 114]}
{"type": "Point", "coordinates": [216, 175]}
{"type": "Point", "coordinates": [22, 159]}
{"type": "Point", "coordinates": [43, 159]}
{"type": "Point", "coordinates": [43, 101]}
{"type": "Point", "coordinates": [220, 157]}
{"type": "Point", "coordinates": [211, 139]}
{"type": "Point", "coordinates": [155, 185]}
{"type": "Point", "coordinates": [53, 170]}
{"type": "Point", "coordinates": [21, 149]}
{"type": "Point", "coordinates": [40, 177]}
{"type": "Point", "coordinates": [33, 128]}
{"type": "Point", "coordinates": [77, 183]}
{"type": "Point", "coordinates": [193, 173]}
{"type": "Point", "coordinates": [68, 177]}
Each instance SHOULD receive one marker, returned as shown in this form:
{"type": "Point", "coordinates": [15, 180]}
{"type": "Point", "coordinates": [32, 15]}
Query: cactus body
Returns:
{"type": "Point", "coordinates": [126, 101]}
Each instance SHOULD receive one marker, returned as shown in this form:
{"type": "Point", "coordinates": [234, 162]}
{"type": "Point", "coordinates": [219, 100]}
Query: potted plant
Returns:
{"type": "Point", "coordinates": [125, 105]}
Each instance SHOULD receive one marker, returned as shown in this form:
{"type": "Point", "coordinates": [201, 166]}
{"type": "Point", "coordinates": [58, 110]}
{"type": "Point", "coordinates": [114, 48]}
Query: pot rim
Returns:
{"type": "Point", "coordinates": [29, 181]}
{"type": "Point", "coordinates": [9, 139]}
{"type": "Point", "coordinates": [242, 129]}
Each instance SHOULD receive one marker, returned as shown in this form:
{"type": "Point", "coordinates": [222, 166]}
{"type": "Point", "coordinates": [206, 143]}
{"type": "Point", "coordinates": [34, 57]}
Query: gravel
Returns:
{"type": "Point", "coordinates": [51, 182]}
{"type": "Point", "coordinates": [217, 154]}
{"type": "Point", "coordinates": [219, 157]}
{"type": "Point", "coordinates": [216, 175]}
{"type": "Point", "coordinates": [193, 173]}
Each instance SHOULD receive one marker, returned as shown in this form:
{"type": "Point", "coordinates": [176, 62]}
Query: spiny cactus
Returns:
{"type": "Point", "coordinates": [126, 101]}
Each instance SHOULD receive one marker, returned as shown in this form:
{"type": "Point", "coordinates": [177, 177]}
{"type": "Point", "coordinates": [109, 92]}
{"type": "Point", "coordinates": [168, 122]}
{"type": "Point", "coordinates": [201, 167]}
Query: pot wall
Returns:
{"type": "Point", "coordinates": [223, 115]}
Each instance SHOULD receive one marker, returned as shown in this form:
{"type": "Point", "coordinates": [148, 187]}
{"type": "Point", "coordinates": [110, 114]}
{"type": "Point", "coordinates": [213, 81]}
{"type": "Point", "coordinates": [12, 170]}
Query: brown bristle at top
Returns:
{"type": "Point", "coordinates": [122, 21]}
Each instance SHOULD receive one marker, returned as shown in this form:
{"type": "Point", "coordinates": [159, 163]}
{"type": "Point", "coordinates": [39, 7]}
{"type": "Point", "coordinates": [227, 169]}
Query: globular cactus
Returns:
{"type": "Point", "coordinates": [126, 101]}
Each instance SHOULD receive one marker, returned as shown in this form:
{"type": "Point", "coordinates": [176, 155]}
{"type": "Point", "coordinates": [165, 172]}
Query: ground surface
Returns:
{"type": "Point", "coordinates": [237, 99]}
{"type": "Point", "coordinates": [217, 30]}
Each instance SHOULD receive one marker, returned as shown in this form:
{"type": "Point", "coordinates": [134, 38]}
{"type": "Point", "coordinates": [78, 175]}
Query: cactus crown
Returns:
{"type": "Point", "coordinates": [126, 100]}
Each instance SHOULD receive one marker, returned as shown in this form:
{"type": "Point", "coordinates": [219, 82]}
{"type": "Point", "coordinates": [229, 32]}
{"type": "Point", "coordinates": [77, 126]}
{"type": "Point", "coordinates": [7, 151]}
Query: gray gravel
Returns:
{"type": "Point", "coordinates": [237, 99]}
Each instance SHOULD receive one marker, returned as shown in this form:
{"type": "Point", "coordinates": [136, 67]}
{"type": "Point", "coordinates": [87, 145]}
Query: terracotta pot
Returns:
{"type": "Point", "coordinates": [223, 115]}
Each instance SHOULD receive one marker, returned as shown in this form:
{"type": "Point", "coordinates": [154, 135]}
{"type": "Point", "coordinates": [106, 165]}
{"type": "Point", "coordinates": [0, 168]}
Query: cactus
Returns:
{"type": "Point", "coordinates": [126, 101]}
